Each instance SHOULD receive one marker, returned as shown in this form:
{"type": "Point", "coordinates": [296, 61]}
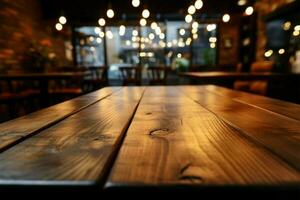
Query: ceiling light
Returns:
{"type": "Point", "coordinates": [281, 51]}
{"type": "Point", "coordinates": [296, 33]}
{"type": "Point", "coordinates": [191, 9]}
{"type": "Point", "coordinates": [211, 27]}
{"type": "Point", "coordinates": [99, 40]}
{"type": "Point", "coordinates": [287, 25]}
{"type": "Point", "coordinates": [226, 18]}
{"type": "Point", "coordinates": [110, 13]}
{"type": "Point", "coordinates": [135, 3]}
{"type": "Point", "coordinates": [143, 22]}
{"type": "Point", "coordinates": [135, 33]}
{"type": "Point", "coordinates": [268, 53]}
{"type": "Point", "coordinates": [249, 10]}
{"type": "Point", "coordinates": [151, 36]}
{"type": "Point", "coordinates": [162, 36]}
{"type": "Point", "coordinates": [102, 34]}
{"type": "Point", "coordinates": [58, 26]}
{"type": "Point", "coordinates": [109, 35]}
{"type": "Point", "coordinates": [198, 4]}
{"type": "Point", "coordinates": [146, 13]}
{"type": "Point", "coordinates": [62, 20]}
{"type": "Point", "coordinates": [195, 25]}
{"type": "Point", "coordinates": [97, 30]}
{"type": "Point", "coordinates": [182, 31]}
{"type": "Point", "coordinates": [212, 39]}
{"type": "Point", "coordinates": [101, 22]}
{"type": "Point", "coordinates": [188, 18]}
{"type": "Point", "coordinates": [195, 36]}
{"type": "Point", "coordinates": [242, 2]}
{"type": "Point", "coordinates": [153, 25]}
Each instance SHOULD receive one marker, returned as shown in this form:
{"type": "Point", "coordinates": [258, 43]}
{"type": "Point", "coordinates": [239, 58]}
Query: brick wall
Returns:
{"type": "Point", "coordinates": [21, 22]}
{"type": "Point", "coordinates": [264, 7]}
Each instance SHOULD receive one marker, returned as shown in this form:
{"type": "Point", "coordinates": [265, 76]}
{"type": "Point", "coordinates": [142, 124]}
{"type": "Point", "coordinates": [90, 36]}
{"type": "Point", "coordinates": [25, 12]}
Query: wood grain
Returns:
{"type": "Point", "coordinates": [174, 141]}
{"type": "Point", "coordinates": [76, 151]}
{"type": "Point", "coordinates": [279, 133]}
{"type": "Point", "coordinates": [273, 105]}
{"type": "Point", "coordinates": [16, 130]}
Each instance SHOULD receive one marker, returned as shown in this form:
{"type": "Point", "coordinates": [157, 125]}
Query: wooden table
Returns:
{"type": "Point", "coordinates": [280, 85]}
{"type": "Point", "coordinates": [43, 79]}
{"type": "Point", "coordinates": [188, 138]}
{"type": "Point", "coordinates": [238, 75]}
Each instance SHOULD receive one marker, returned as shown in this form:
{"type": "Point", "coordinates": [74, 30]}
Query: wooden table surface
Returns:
{"type": "Point", "coordinates": [239, 75]}
{"type": "Point", "coordinates": [155, 137]}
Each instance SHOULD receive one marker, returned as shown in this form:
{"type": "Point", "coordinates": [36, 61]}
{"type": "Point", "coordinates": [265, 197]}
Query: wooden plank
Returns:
{"type": "Point", "coordinates": [278, 133]}
{"type": "Point", "coordinates": [281, 107]}
{"type": "Point", "coordinates": [17, 130]}
{"type": "Point", "coordinates": [173, 141]}
{"type": "Point", "coordinates": [76, 151]}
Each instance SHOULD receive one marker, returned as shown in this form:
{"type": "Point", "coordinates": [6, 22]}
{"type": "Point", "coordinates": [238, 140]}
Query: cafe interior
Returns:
{"type": "Point", "coordinates": [233, 62]}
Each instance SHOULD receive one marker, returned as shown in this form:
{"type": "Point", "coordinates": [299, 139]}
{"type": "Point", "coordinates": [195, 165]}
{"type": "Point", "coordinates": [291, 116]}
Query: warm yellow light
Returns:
{"type": "Point", "coordinates": [191, 9]}
{"type": "Point", "coordinates": [99, 40]}
{"type": "Point", "coordinates": [226, 18]}
{"type": "Point", "coordinates": [153, 25]}
{"type": "Point", "coordinates": [194, 31]}
{"type": "Point", "coordinates": [281, 51]}
{"type": "Point", "coordinates": [101, 22]}
{"type": "Point", "coordinates": [268, 53]}
{"type": "Point", "coordinates": [58, 26]}
{"type": "Point", "coordinates": [135, 3]}
{"type": "Point", "coordinates": [91, 39]}
{"type": "Point", "coordinates": [97, 30]}
{"type": "Point", "coordinates": [195, 25]}
{"type": "Point", "coordinates": [212, 39]}
{"type": "Point", "coordinates": [296, 33]}
{"type": "Point", "coordinates": [188, 18]}
{"type": "Point", "coordinates": [135, 33]}
{"type": "Point", "coordinates": [143, 46]}
{"type": "Point", "coordinates": [109, 35]}
{"type": "Point", "coordinates": [169, 44]}
{"type": "Point", "coordinates": [249, 10]}
{"type": "Point", "coordinates": [146, 13]}
{"type": "Point", "coordinates": [211, 27]}
{"type": "Point", "coordinates": [151, 36]}
{"type": "Point", "coordinates": [158, 31]}
{"type": "Point", "coordinates": [195, 36]}
{"type": "Point", "coordinates": [162, 36]}
{"type": "Point", "coordinates": [143, 22]}
{"type": "Point", "coordinates": [198, 4]}
{"type": "Point", "coordinates": [297, 28]}
{"type": "Point", "coordinates": [287, 25]}
{"type": "Point", "coordinates": [212, 45]}
{"type": "Point", "coordinates": [102, 34]}
{"type": "Point", "coordinates": [62, 20]}
{"type": "Point", "coordinates": [179, 55]}
{"type": "Point", "coordinates": [128, 43]}
{"type": "Point", "coordinates": [110, 13]}
{"type": "Point", "coordinates": [188, 41]}
{"type": "Point", "coordinates": [182, 31]}
{"type": "Point", "coordinates": [242, 2]}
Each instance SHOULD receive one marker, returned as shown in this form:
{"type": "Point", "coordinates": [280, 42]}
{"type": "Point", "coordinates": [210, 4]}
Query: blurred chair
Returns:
{"type": "Point", "coordinates": [9, 99]}
{"type": "Point", "coordinates": [63, 89]}
{"type": "Point", "coordinates": [158, 75]}
{"type": "Point", "coordinates": [97, 77]}
{"type": "Point", "coordinates": [131, 75]}
{"type": "Point", "coordinates": [257, 87]}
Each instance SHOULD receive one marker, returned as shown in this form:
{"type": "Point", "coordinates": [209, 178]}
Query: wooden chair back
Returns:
{"type": "Point", "coordinates": [157, 75]}
{"type": "Point", "coordinates": [130, 75]}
